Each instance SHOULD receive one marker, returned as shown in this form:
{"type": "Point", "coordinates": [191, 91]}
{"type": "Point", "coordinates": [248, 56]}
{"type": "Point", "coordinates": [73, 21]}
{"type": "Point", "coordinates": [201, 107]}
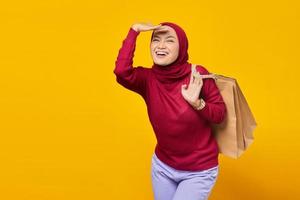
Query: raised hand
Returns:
{"type": "Point", "coordinates": [139, 27]}
{"type": "Point", "coordinates": [192, 92]}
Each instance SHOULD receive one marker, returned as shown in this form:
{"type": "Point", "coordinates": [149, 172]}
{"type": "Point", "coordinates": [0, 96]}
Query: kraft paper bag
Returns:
{"type": "Point", "coordinates": [235, 133]}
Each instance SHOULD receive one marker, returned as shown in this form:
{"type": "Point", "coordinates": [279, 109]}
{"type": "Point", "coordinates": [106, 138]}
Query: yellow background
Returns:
{"type": "Point", "coordinates": [68, 130]}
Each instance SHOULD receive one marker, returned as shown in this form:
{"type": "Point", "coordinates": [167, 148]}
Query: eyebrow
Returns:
{"type": "Point", "coordinates": [170, 36]}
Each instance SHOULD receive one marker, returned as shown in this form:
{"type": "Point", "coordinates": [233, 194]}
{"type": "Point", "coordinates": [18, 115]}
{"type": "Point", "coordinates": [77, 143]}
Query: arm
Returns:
{"type": "Point", "coordinates": [132, 78]}
{"type": "Point", "coordinates": [215, 109]}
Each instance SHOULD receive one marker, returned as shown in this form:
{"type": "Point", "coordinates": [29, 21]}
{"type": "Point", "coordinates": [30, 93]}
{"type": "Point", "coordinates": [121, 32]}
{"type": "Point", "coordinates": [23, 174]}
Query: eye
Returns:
{"type": "Point", "coordinates": [155, 40]}
{"type": "Point", "coordinates": [170, 41]}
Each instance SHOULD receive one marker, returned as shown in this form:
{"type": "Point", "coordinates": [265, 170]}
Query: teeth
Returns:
{"type": "Point", "coordinates": [161, 53]}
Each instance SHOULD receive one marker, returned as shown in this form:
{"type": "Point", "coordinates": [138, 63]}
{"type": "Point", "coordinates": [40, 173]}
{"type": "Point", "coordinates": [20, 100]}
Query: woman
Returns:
{"type": "Point", "coordinates": [181, 107]}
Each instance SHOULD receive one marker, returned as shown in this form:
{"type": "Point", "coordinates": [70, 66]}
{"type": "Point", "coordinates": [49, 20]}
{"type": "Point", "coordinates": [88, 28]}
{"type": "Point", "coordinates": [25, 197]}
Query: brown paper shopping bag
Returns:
{"type": "Point", "coordinates": [235, 133]}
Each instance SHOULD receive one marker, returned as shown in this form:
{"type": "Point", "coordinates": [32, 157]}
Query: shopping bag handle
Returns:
{"type": "Point", "coordinates": [210, 75]}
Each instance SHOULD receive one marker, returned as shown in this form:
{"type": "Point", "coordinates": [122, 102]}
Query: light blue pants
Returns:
{"type": "Point", "coordinates": [171, 184]}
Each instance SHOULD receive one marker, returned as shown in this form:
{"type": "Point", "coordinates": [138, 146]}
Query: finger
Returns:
{"type": "Point", "coordinates": [193, 80]}
{"type": "Point", "coordinates": [192, 77]}
{"type": "Point", "coordinates": [156, 27]}
{"type": "Point", "coordinates": [198, 78]}
{"type": "Point", "coordinates": [201, 81]}
{"type": "Point", "coordinates": [198, 81]}
{"type": "Point", "coordinates": [162, 28]}
{"type": "Point", "coordinates": [153, 27]}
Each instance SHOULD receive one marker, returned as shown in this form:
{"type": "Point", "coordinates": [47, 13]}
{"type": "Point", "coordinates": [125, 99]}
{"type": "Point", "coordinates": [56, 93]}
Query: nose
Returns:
{"type": "Point", "coordinates": [161, 44]}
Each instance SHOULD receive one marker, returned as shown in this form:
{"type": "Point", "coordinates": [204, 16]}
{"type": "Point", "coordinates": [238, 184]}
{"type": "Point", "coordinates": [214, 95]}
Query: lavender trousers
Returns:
{"type": "Point", "coordinates": [171, 184]}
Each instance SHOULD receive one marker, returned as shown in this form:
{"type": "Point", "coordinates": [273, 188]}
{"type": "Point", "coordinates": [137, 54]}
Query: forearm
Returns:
{"type": "Point", "coordinates": [123, 64]}
{"type": "Point", "coordinates": [213, 112]}
{"type": "Point", "coordinates": [132, 78]}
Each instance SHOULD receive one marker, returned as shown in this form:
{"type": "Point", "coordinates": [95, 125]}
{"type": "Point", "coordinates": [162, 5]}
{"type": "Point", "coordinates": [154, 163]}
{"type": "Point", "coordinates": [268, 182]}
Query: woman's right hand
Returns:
{"type": "Point", "coordinates": [139, 27]}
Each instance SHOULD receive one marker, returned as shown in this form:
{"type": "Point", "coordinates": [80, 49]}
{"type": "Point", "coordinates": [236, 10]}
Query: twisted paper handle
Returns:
{"type": "Point", "coordinates": [210, 75]}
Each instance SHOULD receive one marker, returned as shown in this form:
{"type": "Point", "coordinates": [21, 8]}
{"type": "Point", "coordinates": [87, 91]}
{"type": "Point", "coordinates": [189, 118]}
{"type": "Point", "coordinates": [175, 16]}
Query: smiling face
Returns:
{"type": "Point", "coordinates": [164, 46]}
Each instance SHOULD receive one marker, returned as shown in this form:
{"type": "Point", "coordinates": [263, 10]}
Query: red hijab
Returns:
{"type": "Point", "coordinates": [180, 68]}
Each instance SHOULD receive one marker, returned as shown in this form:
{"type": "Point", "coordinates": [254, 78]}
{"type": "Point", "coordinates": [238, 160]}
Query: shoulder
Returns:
{"type": "Point", "coordinates": [143, 70]}
{"type": "Point", "coordinates": [201, 69]}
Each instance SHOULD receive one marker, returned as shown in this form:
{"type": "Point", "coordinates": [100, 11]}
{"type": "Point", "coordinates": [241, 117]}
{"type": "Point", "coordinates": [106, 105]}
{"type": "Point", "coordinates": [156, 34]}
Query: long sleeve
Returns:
{"type": "Point", "coordinates": [215, 108]}
{"type": "Point", "coordinates": [132, 78]}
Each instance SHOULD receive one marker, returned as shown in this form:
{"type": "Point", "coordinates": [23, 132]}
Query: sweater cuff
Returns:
{"type": "Point", "coordinates": [204, 110]}
{"type": "Point", "coordinates": [132, 34]}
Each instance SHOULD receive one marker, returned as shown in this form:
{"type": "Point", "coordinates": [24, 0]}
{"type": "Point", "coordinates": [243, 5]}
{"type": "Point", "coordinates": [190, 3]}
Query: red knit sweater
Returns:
{"type": "Point", "coordinates": [184, 135]}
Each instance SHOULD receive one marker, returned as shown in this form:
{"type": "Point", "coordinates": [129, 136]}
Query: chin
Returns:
{"type": "Point", "coordinates": [162, 62]}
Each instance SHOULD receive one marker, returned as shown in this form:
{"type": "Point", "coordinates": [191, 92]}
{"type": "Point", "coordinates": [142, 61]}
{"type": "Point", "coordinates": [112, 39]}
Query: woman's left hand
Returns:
{"type": "Point", "coordinates": [192, 92]}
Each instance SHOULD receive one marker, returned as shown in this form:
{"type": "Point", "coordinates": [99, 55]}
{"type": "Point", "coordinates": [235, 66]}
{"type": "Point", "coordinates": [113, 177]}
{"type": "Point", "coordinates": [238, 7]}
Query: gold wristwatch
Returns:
{"type": "Point", "coordinates": [202, 104]}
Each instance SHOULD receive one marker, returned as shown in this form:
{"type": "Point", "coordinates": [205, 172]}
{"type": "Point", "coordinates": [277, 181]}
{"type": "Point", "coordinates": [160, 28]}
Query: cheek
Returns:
{"type": "Point", "coordinates": [175, 50]}
{"type": "Point", "coordinates": [152, 47]}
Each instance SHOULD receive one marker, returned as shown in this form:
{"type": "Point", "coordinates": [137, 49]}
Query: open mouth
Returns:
{"type": "Point", "coordinates": [161, 54]}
